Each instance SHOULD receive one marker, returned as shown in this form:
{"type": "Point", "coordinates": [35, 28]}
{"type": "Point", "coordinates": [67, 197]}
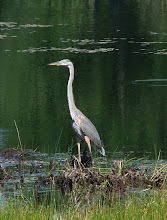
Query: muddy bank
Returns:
{"type": "Point", "coordinates": [13, 153]}
{"type": "Point", "coordinates": [89, 178]}
{"type": "Point", "coordinates": [18, 168]}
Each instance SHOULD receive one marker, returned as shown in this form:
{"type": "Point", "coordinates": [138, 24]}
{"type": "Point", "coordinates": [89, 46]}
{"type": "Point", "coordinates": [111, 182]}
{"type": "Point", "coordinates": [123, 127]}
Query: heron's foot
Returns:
{"type": "Point", "coordinates": [85, 160]}
{"type": "Point", "coordinates": [77, 159]}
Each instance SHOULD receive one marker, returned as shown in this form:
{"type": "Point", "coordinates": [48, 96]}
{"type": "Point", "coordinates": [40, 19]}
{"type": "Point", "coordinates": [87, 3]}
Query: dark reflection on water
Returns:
{"type": "Point", "coordinates": [116, 47]}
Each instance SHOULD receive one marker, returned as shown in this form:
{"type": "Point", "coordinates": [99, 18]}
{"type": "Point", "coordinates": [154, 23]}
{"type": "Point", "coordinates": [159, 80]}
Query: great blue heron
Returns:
{"type": "Point", "coordinates": [82, 126]}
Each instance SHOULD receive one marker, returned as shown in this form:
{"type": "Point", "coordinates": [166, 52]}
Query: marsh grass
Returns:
{"type": "Point", "coordinates": [150, 205]}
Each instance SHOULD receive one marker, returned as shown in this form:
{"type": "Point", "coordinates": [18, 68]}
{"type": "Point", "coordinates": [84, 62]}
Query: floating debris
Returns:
{"type": "Point", "coordinates": [8, 24]}
{"type": "Point", "coordinates": [3, 36]}
{"type": "Point", "coordinates": [69, 49]}
{"type": "Point", "coordinates": [35, 26]}
{"type": "Point", "coordinates": [88, 41]}
{"type": "Point", "coordinates": [152, 33]}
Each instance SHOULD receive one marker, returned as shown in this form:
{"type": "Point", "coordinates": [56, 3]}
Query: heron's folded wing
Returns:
{"type": "Point", "coordinates": [90, 131]}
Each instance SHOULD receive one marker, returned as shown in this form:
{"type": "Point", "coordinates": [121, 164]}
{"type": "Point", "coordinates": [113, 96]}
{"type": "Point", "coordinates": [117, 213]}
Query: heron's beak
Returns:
{"type": "Point", "coordinates": [54, 64]}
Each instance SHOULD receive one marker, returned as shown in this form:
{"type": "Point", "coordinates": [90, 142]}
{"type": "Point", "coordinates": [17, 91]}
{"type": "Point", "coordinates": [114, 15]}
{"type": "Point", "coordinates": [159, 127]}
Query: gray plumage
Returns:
{"type": "Point", "coordinates": [83, 127]}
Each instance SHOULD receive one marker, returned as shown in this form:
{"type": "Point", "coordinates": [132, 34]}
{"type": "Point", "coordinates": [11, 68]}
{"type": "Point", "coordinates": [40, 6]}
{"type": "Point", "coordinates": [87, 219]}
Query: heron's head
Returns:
{"type": "Point", "coordinates": [101, 151]}
{"type": "Point", "coordinates": [65, 62]}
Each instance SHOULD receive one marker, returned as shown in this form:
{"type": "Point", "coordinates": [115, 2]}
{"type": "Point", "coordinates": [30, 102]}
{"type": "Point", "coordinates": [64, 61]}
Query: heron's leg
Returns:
{"type": "Point", "coordinates": [79, 151]}
{"type": "Point", "coordinates": [89, 145]}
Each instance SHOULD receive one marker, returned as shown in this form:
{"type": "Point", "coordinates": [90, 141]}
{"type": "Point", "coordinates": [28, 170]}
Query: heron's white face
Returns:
{"type": "Point", "coordinates": [65, 62]}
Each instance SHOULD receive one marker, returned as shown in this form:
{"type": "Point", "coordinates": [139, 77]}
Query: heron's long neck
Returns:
{"type": "Point", "coordinates": [70, 95]}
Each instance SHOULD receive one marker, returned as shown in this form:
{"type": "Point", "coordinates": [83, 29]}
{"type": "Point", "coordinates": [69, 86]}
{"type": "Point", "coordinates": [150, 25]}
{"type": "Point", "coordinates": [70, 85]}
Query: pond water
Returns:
{"type": "Point", "coordinates": [119, 52]}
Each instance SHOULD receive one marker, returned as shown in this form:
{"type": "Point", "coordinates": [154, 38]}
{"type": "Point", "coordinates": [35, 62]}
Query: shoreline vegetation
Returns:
{"type": "Point", "coordinates": [123, 190]}
{"type": "Point", "coordinates": [148, 206]}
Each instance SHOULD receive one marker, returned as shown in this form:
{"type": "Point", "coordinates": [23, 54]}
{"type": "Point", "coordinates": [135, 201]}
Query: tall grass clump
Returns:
{"type": "Point", "coordinates": [145, 206]}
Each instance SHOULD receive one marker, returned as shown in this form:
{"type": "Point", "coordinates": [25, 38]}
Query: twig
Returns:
{"type": "Point", "coordinates": [3, 169]}
{"type": "Point", "coordinates": [158, 172]}
{"type": "Point", "coordinates": [18, 135]}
